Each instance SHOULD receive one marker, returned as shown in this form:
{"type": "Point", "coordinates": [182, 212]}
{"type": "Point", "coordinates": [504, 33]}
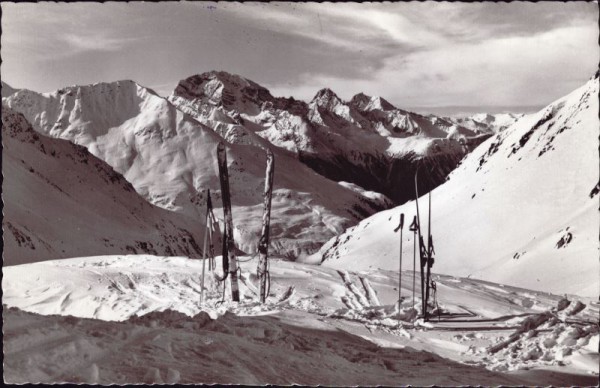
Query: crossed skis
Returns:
{"type": "Point", "coordinates": [229, 262]}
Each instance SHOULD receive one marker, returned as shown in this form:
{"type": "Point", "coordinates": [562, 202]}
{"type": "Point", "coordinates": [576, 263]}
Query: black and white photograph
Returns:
{"type": "Point", "coordinates": [314, 194]}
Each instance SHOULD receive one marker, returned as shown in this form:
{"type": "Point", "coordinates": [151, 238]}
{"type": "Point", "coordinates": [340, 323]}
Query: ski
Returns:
{"type": "Point", "coordinates": [422, 251]}
{"type": "Point", "coordinates": [263, 244]}
{"type": "Point", "coordinates": [430, 252]}
{"type": "Point", "coordinates": [228, 243]}
{"type": "Point", "coordinates": [213, 230]}
{"type": "Point", "coordinates": [206, 237]}
{"type": "Point", "coordinates": [426, 252]}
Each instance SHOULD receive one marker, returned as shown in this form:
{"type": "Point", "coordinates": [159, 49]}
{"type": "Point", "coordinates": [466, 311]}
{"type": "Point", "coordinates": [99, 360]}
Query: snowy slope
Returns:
{"type": "Point", "coordinates": [521, 209]}
{"type": "Point", "coordinates": [170, 159]}
{"type": "Point", "coordinates": [319, 326]}
{"type": "Point", "coordinates": [366, 141]}
{"type": "Point", "coordinates": [60, 201]}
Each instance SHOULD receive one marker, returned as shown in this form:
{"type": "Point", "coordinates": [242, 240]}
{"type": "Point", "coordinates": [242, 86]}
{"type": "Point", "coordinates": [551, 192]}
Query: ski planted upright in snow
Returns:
{"type": "Point", "coordinates": [424, 253]}
{"type": "Point", "coordinates": [263, 244]}
{"type": "Point", "coordinates": [430, 252]}
{"type": "Point", "coordinates": [228, 243]}
{"type": "Point", "coordinates": [214, 233]}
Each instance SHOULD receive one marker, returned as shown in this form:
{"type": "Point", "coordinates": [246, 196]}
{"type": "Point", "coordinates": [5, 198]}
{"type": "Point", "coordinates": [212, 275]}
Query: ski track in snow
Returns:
{"type": "Point", "coordinates": [498, 327]}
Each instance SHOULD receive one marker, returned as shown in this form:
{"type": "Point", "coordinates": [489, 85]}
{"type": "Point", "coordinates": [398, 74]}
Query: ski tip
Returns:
{"type": "Point", "coordinates": [220, 147]}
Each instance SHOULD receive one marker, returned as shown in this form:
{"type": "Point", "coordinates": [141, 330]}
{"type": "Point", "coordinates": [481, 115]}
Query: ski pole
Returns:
{"type": "Point", "coordinates": [413, 227]}
{"type": "Point", "coordinates": [401, 227]}
{"type": "Point", "coordinates": [204, 259]}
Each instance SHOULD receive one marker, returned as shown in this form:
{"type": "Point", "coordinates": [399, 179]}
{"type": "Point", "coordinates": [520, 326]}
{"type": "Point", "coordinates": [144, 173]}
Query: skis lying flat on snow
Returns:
{"type": "Point", "coordinates": [263, 244]}
{"type": "Point", "coordinates": [228, 244]}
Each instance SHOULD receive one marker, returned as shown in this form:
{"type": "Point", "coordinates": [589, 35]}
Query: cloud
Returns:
{"type": "Point", "coordinates": [96, 42]}
{"type": "Point", "coordinates": [412, 53]}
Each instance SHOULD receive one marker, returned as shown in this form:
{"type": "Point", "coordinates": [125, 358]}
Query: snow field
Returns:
{"type": "Point", "coordinates": [495, 326]}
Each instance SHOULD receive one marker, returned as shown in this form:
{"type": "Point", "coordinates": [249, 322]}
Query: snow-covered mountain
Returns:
{"type": "Point", "coordinates": [521, 209]}
{"type": "Point", "coordinates": [7, 90]}
{"type": "Point", "coordinates": [170, 158]}
{"type": "Point", "coordinates": [61, 201]}
{"type": "Point", "coordinates": [485, 122]}
{"type": "Point", "coordinates": [366, 141]}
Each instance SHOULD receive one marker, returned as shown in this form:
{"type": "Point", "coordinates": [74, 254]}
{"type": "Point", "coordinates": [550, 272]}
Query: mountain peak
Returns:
{"type": "Point", "coordinates": [326, 96]}
{"type": "Point", "coordinates": [220, 88]}
{"type": "Point", "coordinates": [382, 103]}
{"type": "Point", "coordinates": [360, 100]}
{"type": "Point", "coordinates": [365, 102]}
{"type": "Point", "coordinates": [325, 92]}
{"type": "Point", "coordinates": [225, 78]}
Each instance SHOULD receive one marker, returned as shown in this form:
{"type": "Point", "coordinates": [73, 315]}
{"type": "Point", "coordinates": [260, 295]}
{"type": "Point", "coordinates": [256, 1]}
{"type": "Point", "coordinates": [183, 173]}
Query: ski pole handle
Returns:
{"type": "Point", "coordinates": [414, 226]}
{"type": "Point", "coordinates": [401, 225]}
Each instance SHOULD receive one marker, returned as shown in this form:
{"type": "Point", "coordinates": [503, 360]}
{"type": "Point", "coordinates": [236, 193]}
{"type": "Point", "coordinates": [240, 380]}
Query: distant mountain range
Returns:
{"type": "Point", "coordinates": [366, 141]}
{"type": "Point", "coordinates": [166, 148]}
{"type": "Point", "coordinates": [466, 111]}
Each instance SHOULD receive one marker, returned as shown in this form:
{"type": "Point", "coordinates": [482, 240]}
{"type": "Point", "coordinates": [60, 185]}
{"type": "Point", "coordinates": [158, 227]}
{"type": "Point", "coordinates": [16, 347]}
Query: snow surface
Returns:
{"type": "Point", "coordinates": [521, 209]}
{"type": "Point", "coordinates": [319, 326]}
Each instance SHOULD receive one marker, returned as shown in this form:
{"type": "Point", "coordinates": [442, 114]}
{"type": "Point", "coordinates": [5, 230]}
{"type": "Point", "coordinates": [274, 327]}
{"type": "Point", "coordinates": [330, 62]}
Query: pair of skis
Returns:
{"type": "Point", "coordinates": [426, 252]}
{"type": "Point", "coordinates": [229, 258]}
{"type": "Point", "coordinates": [212, 227]}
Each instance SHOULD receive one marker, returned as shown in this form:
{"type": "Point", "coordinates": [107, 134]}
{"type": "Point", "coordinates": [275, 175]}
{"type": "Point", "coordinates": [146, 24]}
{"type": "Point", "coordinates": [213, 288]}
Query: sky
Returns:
{"type": "Point", "coordinates": [414, 54]}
